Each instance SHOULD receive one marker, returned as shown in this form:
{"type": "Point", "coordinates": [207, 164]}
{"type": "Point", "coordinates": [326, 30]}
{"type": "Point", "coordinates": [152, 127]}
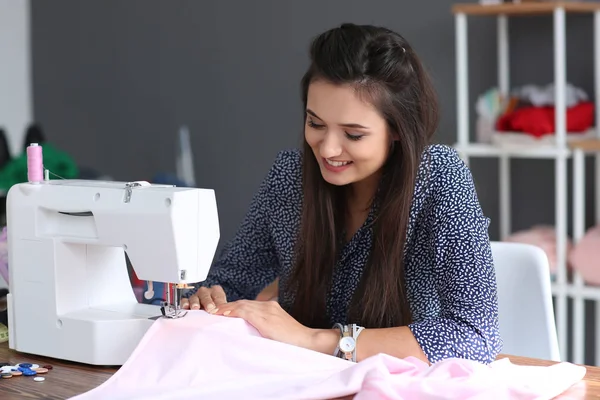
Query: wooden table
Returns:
{"type": "Point", "coordinates": [65, 380]}
{"type": "Point", "coordinates": [68, 379]}
{"type": "Point", "coordinates": [588, 389]}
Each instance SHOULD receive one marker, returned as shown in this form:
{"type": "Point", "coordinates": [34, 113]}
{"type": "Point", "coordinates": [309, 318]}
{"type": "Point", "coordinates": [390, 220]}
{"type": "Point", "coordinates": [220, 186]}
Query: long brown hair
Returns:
{"type": "Point", "coordinates": [385, 71]}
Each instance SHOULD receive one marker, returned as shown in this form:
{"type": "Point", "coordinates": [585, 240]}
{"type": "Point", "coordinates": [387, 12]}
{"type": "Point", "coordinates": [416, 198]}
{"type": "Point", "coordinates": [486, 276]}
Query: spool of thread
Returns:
{"type": "Point", "coordinates": [35, 163]}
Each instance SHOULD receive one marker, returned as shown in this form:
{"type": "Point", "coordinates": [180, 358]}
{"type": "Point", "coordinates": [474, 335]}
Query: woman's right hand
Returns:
{"type": "Point", "coordinates": [208, 299]}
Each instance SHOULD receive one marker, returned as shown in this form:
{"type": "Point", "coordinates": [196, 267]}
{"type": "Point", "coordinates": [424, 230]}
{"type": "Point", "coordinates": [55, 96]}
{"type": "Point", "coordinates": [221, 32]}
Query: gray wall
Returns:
{"type": "Point", "coordinates": [113, 80]}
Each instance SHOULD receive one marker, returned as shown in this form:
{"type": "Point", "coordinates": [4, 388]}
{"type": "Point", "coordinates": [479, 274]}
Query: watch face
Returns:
{"type": "Point", "coordinates": [347, 344]}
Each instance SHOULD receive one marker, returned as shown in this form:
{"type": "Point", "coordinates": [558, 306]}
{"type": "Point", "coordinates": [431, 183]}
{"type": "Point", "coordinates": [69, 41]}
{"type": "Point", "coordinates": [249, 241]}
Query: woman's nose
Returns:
{"type": "Point", "coordinates": [330, 146]}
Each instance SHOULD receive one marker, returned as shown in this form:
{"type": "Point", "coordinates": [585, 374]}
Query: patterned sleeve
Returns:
{"type": "Point", "coordinates": [248, 263]}
{"type": "Point", "coordinates": [467, 326]}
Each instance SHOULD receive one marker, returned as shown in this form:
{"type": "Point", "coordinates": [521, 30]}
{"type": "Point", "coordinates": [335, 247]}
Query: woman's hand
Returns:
{"type": "Point", "coordinates": [270, 292]}
{"type": "Point", "coordinates": [208, 299]}
{"type": "Point", "coordinates": [271, 321]}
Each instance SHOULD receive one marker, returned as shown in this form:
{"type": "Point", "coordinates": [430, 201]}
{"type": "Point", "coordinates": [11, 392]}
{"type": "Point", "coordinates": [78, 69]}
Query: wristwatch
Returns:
{"type": "Point", "coordinates": [347, 342]}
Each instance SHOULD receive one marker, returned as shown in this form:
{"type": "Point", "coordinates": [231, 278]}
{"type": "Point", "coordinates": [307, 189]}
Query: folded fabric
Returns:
{"type": "Point", "coordinates": [543, 237]}
{"type": "Point", "coordinates": [584, 257]}
{"type": "Point", "coordinates": [541, 96]}
{"type": "Point", "coordinates": [213, 357]}
{"type": "Point", "coordinates": [540, 121]}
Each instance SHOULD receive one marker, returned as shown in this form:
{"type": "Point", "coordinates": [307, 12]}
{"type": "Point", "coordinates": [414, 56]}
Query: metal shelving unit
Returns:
{"type": "Point", "coordinates": [560, 151]}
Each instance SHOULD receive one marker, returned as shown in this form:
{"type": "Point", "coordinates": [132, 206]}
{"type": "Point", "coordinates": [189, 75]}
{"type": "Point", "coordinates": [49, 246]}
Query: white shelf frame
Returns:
{"type": "Point", "coordinates": [559, 152]}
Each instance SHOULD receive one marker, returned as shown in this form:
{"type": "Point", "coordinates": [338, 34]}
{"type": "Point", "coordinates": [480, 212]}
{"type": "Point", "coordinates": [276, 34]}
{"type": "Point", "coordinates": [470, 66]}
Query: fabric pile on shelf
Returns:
{"type": "Point", "coordinates": [581, 257]}
{"type": "Point", "coordinates": [528, 115]}
{"type": "Point", "coordinates": [531, 111]}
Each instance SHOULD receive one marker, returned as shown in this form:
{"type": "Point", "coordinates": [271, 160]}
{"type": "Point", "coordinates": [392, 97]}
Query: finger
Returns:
{"type": "Point", "coordinates": [194, 302]}
{"type": "Point", "coordinates": [206, 300]}
{"type": "Point", "coordinates": [241, 309]}
{"type": "Point", "coordinates": [185, 303]}
{"type": "Point", "coordinates": [231, 310]}
{"type": "Point", "coordinates": [250, 311]}
{"type": "Point", "coordinates": [225, 307]}
{"type": "Point", "coordinates": [218, 295]}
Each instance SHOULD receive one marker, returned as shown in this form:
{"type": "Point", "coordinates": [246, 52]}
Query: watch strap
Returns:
{"type": "Point", "coordinates": [356, 330]}
{"type": "Point", "coordinates": [336, 353]}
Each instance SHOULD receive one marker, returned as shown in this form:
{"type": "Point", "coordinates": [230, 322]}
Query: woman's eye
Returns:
{"type": "Point", "coordinates": [353, 137]}
{"type": "Point", "coordinates": [312, 124]}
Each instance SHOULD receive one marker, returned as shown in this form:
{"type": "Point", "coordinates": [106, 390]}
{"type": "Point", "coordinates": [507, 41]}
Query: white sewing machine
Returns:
{"type": "Point", "coordinates": [70, 293]}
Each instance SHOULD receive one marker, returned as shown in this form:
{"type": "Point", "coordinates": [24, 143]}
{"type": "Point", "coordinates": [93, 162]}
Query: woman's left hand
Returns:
{"type": "Point", "coordinates": [271, 321]}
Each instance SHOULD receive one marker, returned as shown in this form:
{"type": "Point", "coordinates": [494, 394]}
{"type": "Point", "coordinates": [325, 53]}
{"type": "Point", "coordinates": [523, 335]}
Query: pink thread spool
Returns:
{"type": "Point", "coordinates": [35, 163]}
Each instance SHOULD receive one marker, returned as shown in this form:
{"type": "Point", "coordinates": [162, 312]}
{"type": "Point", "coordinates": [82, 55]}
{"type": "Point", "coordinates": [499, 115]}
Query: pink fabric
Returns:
{"type": "Point", "coordinates": [543, 237]}
{"type": "Point", "coordinates": [584, 257]}
{"type": "Point", "coordinates": [202, 356]}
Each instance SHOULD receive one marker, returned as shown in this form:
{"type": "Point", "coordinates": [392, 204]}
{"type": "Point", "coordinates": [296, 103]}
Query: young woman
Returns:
{"type": "Point", "coordinates": [377, 237]}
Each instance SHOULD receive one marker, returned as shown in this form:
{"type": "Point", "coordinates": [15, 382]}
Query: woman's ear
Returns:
{"type": "Point", "coordinates": [394, 137]}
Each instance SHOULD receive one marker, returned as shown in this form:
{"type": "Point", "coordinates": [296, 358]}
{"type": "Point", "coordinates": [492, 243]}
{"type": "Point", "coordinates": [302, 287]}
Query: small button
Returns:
{"type": "Point", "coordinates": [25, 365]}
{"type": "Point", "coordinates": [16, 373]}
{"type": "Point", "coordinates": [47, 366]}
{"type": "Point", "coordinates": [39, 379]}
{"type": "Point", "coordinates": [5, 375]}
{"type": "Point", "coordinates": [41, 370]}
{"type": "Point", "coordinates": [28, 372]}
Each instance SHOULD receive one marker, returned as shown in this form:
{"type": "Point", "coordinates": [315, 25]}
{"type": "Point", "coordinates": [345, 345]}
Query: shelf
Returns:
{"type": "Point", "coordinates": [520, 145]}
{"type": "Point", "coordinates": [543, 149]}
{"type": "Point", "coordinates": [517, 151]}
{"type": "Point", "coordinates": [585, 292]}
{"type": "Point", "coordinates": [589, 145]}
{"type": "Point", "coordinates": [533, 8]}
{"type": "Point", "coordinates": [516, 138]}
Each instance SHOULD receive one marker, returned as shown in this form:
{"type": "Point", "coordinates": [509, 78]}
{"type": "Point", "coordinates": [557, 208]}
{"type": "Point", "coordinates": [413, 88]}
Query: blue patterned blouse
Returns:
{"type": "Point", "coordinates": [450, 278]}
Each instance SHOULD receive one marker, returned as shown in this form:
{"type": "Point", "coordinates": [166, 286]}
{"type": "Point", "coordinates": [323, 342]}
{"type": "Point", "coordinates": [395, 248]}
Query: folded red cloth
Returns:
{"type": "Point", "coordinates": [539, 121]}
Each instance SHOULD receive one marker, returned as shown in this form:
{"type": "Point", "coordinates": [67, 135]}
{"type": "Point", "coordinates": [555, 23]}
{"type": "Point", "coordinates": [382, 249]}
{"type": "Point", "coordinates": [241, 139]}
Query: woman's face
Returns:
{"type": "Point", "coordinates": [348, 136]}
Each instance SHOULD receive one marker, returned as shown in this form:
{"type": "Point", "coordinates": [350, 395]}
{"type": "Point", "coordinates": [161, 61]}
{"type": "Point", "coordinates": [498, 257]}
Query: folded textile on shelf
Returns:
{"type": "Point", "coordinates": [208, 356]}
{"type": "Point", "coordinates": [544, 237]}
{"type": "Point", "coordinates": [584, 257]}
{"type": "Point", "coordinates": [526, 116]}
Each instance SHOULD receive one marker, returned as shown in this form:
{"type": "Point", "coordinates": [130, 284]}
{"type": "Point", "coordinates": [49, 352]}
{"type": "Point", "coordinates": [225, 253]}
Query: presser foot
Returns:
{"type": "Point", "coordinates": [169, 311]}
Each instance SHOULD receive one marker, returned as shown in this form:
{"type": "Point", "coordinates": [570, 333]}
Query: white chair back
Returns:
{"type": "Point", "coordinates": [526, 313]}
